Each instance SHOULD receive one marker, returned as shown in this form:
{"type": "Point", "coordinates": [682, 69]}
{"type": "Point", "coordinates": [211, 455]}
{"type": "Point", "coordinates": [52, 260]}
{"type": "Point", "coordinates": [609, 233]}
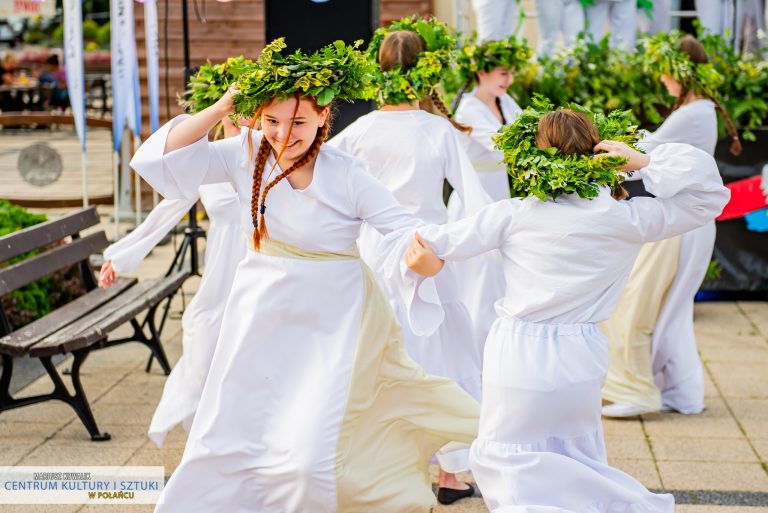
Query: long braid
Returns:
{"type": "Point", "coordinates": [736, 143]}
{"type": "Point", "coordinates": [261, 227]}
{"type": "Point", "coordinates": [258, 173]}
{"type": "Point", "coordinates": [459, 96]}
{"type": "Point", "coordinates": [434, 103]}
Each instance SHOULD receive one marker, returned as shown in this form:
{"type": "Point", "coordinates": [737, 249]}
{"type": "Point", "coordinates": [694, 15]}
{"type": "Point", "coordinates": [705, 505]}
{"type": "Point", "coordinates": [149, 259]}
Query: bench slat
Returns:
{"type": "Point", "coordinates": [100, 323]}
{"type": "Point", "coordinates": [18, 342]}
{"type": "Point", "coordinates": [39, 235]}
{"type": "Point", "coordinates": [31, 269]}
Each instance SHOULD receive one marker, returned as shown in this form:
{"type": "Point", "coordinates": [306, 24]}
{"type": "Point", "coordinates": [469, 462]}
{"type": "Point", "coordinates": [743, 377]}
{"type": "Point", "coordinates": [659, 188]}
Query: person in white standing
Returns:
{"type": "Point", "coordinates": [540, 446]}
{"type": "Point", "coordinates": [201, 322]}
{"type": "Point", "coordinates": [621, 17]}
{"type": "Point", "coordinates": [489, 68]}
{"type": "Point", "coordinates": [556, 17]}
{"type": "Point", "coordinates": [496, 19]}
{"type": "Point", "coordinates": [311, 404]}
{"type": "Point", "coordinates": [655, 363]}
{"type": "Point", "coordinates": [412, 152]}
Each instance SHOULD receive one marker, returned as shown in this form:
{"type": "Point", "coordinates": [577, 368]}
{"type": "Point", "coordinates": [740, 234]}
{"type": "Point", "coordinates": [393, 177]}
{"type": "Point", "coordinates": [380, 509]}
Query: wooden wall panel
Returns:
{"type": "Point", "coordinates": [231, 29]}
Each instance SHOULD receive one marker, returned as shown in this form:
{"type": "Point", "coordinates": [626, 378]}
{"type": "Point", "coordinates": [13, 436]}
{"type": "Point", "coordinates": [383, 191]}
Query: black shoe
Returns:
{"type": "Point", "coordinates": [449, 495]}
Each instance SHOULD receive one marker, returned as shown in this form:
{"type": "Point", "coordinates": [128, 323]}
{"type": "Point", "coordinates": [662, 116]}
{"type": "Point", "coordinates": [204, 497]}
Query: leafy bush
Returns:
{"type": "Point", "coordinates": [40, 297]}
{"type": "Point", "coordinates": [103, 35]}
{"type": "Point", "coordinates": [600, 78]}
{"type": "Point", "coordinates": [90, 30]}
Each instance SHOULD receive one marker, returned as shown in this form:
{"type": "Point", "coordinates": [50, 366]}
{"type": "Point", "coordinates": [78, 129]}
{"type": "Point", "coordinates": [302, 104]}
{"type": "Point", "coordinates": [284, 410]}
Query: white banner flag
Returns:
{"type": "Point", "coordinates": [153, 67]}
{"type": "Point", "coordinates": [124, 67]}
{"type": "Point", "coordinates": [73, 63]}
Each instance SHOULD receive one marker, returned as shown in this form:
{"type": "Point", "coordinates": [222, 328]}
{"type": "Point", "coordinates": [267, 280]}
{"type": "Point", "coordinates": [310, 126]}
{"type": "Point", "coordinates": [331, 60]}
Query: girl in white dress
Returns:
{"type": "Point", "coordinates": [655, 363]}
{"type": "Point", "coordinates": [311, 404]}
{"type": "Point", "coordinates": [486, 109]}
{"type": "Point", "coordinates": [412, 151]}
{"type": "Point", "coordinates": [201, 322]}
{"type": "Point", "coordinates": [540, 447]}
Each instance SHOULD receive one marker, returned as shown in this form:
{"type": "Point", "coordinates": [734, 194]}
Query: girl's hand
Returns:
{"type": "Point", "coordinates": [635, 159]}
{"type": "Point", "coordinates": [107, 275]}
{"type": "Point", "coordinates": [422, 259]}
{"type": "Point", "coordinates": [226, 105]}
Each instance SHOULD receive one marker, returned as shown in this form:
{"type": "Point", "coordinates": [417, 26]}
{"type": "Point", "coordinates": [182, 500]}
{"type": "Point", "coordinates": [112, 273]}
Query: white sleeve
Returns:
{"type": "Point", "coordinates": [688, 188]}
{"type": "Point", "coordinates": [462, 176]}
{"type": "Point", "coordinates": [487, 230]}
{"type": "Point", "coordinates": [376, 205]}
{"type": "Point", "coordinates": [127, 253]}
{"type": "Point", "coordinates": [179, 173]}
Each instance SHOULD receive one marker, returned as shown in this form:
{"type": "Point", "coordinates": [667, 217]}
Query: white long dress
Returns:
{"type": "Point", "coordinates": [482, 280]}
{"type": "Point", "coordinates": [675, 378]}
{"type": "Point", "coordinates": [201, 322]}
{"type": "Point", "coordinates": [412, 152]}
{"type": "Point", "coordinates": [311, 404]}
{"type": "Point", "coordinates": [540, 448]}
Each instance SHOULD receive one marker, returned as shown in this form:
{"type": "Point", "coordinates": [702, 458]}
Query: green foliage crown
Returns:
{"type": "Point", "coordinates": [211, 82]}
{"type": "Point", "coordinates": [511, 53]}
{"type": "Point", "coordinates": [663, 56]}
{"type": "Point", "coordinates": [547, 173]}
{"type": "Point", "coordinates": [336, 71]}
{"type": "Point", "coordinates": [431, 67]}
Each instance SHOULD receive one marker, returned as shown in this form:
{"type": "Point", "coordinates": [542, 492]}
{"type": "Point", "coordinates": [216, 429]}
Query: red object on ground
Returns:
{"type": "Point", "coordinates": [746, 196]}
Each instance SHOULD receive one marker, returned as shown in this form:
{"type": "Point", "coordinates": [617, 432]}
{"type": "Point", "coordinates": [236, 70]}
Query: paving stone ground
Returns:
{"type": "Point", "coordinates": [716, 462]}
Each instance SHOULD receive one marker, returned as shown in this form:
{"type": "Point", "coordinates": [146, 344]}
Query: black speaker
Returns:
{"type": "Point", "coordinates": [312, 24]}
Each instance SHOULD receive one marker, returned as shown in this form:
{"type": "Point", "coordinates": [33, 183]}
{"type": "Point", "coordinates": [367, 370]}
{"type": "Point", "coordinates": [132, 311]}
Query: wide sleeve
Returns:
{"type": "Point", "coordinates": [128, 252]}
{"type": "Point", "coordinates": [688, 188]}
{"type": "Point", "coordinates": [488, 229]}
{"type": "Point", "coordinates": [375, 204]}
{"type": "Point", "coordinates": [462, 176]}
{"type": "Point", "coordinates": [179, 173]}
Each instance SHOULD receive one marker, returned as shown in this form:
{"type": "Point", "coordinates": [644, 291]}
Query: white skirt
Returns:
{"type": "Point", "coordinates": [311, 405]}
{"type": "Point", "coordinates": [540, 447]}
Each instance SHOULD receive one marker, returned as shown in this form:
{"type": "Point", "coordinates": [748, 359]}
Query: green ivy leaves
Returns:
{"type": "Point", "coordinates": [546, 173]}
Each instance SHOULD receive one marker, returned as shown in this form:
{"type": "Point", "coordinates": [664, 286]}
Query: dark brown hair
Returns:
{"type": "Point", "coordinates": [259, 197]}
{"type": "Point", "coordinates": [698, 55]}
{"type": "Point", "coordinates": [400, 49]}
{"type": "Point", "coordinates": [572, 133]}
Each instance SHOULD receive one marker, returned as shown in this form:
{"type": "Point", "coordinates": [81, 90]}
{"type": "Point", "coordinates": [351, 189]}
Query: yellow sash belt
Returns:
{"type": "Point", "coordinates": [281, 249]}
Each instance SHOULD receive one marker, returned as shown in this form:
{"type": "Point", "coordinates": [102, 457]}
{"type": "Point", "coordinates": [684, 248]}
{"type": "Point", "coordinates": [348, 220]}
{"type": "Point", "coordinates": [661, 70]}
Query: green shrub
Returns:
{"type": "Point", "coordinates": [103, 35]}
{"type": "Point", "coordinates": [39, 297]}
{"type": "Point", "coordinates": [90, 30]}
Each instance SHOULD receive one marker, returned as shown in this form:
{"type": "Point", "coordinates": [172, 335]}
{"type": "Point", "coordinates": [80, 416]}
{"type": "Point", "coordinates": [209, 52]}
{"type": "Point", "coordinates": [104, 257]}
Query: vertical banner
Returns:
{"type": "Point", "coordinates": [123, 67]}
{"type": "Point", "coordinates": [123, 56]}
{"type": "Point", "coordinates": [73, 64]}
{"type": "Point", "coordinates": [153, 66]}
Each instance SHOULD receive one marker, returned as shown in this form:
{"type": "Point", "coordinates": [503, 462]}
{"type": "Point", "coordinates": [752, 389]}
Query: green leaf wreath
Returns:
{"type": "Point", "coordinates": [432, 65]}
{"type": "Point", "coordinates": [336, 72]}
{"type": "Point", "coordinates": [511, 53]}
{"type": "Point", "coordinates": [546, 174]}
{"type": "Point", "coordinates": [663, 57]}
{"type": "Point", "coordinates": [212, 81]}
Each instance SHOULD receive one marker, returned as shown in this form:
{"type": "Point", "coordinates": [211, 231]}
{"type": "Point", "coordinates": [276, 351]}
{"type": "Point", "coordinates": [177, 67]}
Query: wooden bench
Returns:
{"type": "Point", "coordinates": [83, 324]}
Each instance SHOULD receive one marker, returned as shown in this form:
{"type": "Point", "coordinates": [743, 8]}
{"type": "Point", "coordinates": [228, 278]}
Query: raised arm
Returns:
{"type": "Point", "coordinates": [178, 158]}
{"type": "Point", "coordinates": [688, 188]}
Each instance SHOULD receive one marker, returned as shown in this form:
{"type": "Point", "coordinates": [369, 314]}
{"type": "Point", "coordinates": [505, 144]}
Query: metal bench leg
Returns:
{"type": "Point", "coordinates": [78, 401]}
{"type": "Point", "coordinates": [155, 343]}
{"type": "Point", "coordinates": [5, 382]}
